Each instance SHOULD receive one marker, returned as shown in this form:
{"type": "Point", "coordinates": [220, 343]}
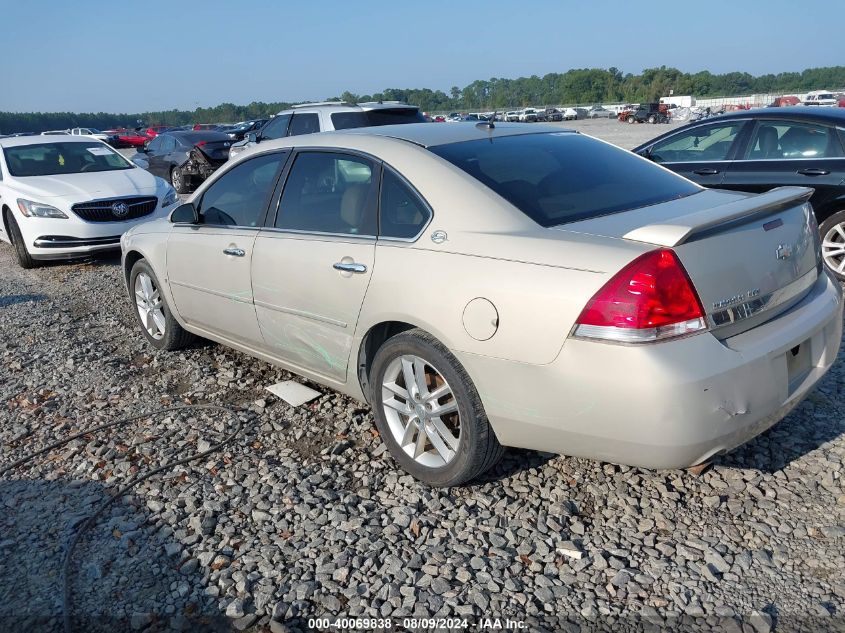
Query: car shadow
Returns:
{"type": "Point", "coordinates": [126, 573]}
{"type": "Point", "coordinates": [513, 462]}
{"type": "Point", "coordinates": [817, 420]}
{"type": "Point", "coordinates": [11, 300]}
{"type": "Point", "coordinates": [104, 259]}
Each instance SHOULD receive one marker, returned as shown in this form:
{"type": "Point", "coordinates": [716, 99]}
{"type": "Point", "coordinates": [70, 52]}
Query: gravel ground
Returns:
{"type": "Point", "coordinates": [304, 514]}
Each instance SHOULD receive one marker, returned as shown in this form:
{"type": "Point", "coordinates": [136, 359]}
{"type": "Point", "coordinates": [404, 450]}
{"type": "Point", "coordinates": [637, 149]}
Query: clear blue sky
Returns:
{"type": "Point", "coordinates": [123, 56]}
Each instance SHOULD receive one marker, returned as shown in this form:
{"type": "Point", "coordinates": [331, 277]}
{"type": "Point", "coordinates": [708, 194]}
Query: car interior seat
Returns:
{"type": "Point", "coordinates": [352, 207]}
{"type": "Point", "coordinates": [767, 143]}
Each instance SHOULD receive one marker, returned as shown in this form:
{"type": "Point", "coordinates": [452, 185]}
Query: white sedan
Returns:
{"type": "Point", "coordinates": [71, 196]}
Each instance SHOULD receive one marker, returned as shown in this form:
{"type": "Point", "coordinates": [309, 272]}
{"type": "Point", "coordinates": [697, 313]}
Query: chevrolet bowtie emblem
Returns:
{"type": "Point", "coordinates": [784, 251]}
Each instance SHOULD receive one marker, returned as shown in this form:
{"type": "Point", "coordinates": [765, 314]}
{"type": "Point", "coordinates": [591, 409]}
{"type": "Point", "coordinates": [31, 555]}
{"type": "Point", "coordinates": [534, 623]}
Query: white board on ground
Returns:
{"type": "Point", "coordinates": [293, 392]}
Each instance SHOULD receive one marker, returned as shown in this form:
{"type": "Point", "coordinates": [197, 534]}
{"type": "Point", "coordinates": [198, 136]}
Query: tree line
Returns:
{"type": "Point", "coordinates": [582, 86]}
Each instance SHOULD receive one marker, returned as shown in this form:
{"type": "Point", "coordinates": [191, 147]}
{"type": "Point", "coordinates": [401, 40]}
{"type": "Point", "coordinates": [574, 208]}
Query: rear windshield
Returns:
{"type": "Point", "coordinates": [47, 159]}
{"type": "Point", "coordinates": [368, 118]}
{"type": "Point", "coordinates": [563, 177]}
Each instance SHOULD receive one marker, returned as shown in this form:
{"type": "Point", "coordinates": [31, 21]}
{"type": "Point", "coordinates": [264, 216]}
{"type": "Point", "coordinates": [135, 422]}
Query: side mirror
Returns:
{"type": "Point", "coordinates": [185, 214]}
{"type": "Point", "coordinates": [251, 137]}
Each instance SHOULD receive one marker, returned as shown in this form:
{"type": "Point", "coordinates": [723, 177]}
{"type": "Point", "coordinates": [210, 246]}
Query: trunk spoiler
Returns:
{"type": "Point", "coordinates": [684, 227]}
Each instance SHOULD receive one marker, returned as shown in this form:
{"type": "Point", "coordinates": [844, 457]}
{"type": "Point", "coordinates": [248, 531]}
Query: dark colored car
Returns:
{"type": "Point", "coordinates": [553, 114]}
{"type": "Point", "coordinates": [650, 113]}
{"type": "Point", "coordinates": [186, 158]}
{"type": "Point", "coordinates": [239, 131]}
{"type": "Point", "coordinates": [757, 150]}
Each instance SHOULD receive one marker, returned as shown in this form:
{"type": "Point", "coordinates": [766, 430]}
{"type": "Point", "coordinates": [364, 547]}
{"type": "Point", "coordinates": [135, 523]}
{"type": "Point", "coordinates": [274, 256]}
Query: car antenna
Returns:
{"type": "Point", "coordinates": [488, 123]}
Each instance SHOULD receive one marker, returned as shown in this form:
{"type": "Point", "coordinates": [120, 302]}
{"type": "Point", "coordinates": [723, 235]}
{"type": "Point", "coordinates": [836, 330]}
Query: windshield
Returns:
{"type": "Point", "coordinates": [563, 177]}
{"type": "Point", "coordinates": [382, 116]}
{"type": "Point", "coordinates": [47, 159]}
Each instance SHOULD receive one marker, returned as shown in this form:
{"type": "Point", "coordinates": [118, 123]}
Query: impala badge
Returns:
{"type": "Point", "coordinates": [783, 251]}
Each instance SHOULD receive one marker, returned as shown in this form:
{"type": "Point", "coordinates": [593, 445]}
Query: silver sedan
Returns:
{"type": "Point", "coordinates": [485, 286]}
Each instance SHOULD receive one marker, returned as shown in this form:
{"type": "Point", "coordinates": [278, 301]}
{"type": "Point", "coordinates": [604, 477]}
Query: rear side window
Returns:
{"type": "Point", "coordinates": [304, 124]}
{"type": "Point", "coordinates": [789, 139]}
{"type": "Point", "coordinates": [328, 192]}
{"type": "Point", "coordinates": [369, 118]}
{"type": "Point", "coordinates": [402, 214]}
{"type": "Point", "coordinates": [564, 177]}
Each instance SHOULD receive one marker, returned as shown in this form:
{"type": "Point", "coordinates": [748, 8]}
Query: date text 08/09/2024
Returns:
{"type": "Point", "coordinates": [415, 624]}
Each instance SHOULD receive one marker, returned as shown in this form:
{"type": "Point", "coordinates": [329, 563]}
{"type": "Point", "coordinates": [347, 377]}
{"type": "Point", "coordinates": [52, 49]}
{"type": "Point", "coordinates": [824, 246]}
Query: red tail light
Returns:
{"type": "Point", "coordinates": [652, 298]}
{"type": "Point", "coordinates": [200, 143]}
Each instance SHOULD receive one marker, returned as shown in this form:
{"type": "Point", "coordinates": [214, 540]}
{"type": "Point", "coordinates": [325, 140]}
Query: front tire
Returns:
{"type": "Point", "coordinates": [428, 411]}
{"type": "Point", "coordinates": [832, 232]}
{"type": "Point", "coordinates": [22, 254]}
{"type": "Point", "coordinates": [630, 119]}
{"type": "Point", "coordinates": [153, 314]}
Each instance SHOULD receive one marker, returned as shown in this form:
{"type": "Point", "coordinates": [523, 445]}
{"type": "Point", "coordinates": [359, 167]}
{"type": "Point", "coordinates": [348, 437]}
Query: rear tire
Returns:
{"type": "Point", "coordinates": [158, 324]}
{"type": "Point", "coordinates": [24, 258]}
{"type": "Point", "coordinates": [438, 458]}
{"type": "Point", "coordinates": [832, 232]}
{"type": "Point", "coordinates": [179, 181]}
{"type": "Point", "coordinates": [652, 119]}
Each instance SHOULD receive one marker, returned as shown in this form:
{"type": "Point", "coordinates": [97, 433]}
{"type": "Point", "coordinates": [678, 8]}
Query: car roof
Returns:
{"type": "Point", "coordinates": [198, 135]}
{"type": "Point", "coordinates": [342, 106]}
{"type": "Point", "coordinates": [431, 135]}
{"type": "Point", "coordinates": [832, 115]}
{"type": "Point", "coordinates": [17, 141]}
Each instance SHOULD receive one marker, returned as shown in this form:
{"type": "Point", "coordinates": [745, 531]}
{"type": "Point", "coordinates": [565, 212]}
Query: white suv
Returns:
{"type": "Point", "coordinates": [309, 118]}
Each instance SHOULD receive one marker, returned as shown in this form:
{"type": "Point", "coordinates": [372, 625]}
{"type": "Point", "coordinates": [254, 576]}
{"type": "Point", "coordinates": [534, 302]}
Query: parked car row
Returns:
{"type": "Point", "coordinates": [573, 266]}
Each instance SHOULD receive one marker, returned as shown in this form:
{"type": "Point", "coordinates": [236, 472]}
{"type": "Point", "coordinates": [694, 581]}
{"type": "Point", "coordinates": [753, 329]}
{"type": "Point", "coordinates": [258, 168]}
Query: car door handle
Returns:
{"type": "Point", "coordinates": [813, 171]}
{"type": "Point", "coordinates": [707, 171]}
{"type": "Point", "coordinates": [350, 267]}
{"type": "Point", "coordinates": [234, 252]}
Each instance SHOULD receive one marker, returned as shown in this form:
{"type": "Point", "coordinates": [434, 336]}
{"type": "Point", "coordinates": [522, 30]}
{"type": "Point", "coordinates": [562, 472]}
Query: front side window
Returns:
{"type": "Point", "coordinates": [239, 196]}
{"type": "Point", "coordinates": [329, 193]}
{"type": "Point", "coordinates": [561, 177]}
{"type": "Point", "coordinates": [401, 212]}
{"type": "Point", "coordinates": [277, 127]}
{"type": "Point", "coordinates": [703, 143]}
{"type": "Point", "coordinates": [303, 123]}
{"type": "Point", "coordinates": [48, 159]}
{"type": "Point", "coordinates": [774, 140]}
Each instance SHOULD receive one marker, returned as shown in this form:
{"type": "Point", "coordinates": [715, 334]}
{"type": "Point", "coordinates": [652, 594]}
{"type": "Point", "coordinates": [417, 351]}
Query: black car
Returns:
{"type": "Point", "coordinates": [756, 150]}
{"type": "Point", "coordinates": [649, 113]}
{"type": "Point", "coordinates": [239, 131]}
{"type": "Point", "coordinates": [186, 158]}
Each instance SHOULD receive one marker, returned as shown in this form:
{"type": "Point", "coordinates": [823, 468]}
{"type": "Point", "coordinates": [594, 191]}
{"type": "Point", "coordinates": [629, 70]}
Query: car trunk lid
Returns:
{"type": "Point", "coordinates": [749, 257]}
{"type": "Point", "coordinates": [215, 150]}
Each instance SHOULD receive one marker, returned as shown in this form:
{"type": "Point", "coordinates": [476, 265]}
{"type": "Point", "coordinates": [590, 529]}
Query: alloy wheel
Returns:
{"type": "Point", "coordinates": [833, 248]}
{"type": "Point", "coordinates": [176, 178]}
{"type": "Point", "coordinates": [421, 411]}
{"type": "Point", "coordinates": [149, 304]}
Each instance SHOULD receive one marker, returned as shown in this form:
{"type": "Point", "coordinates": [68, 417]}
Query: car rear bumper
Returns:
{"type": "Point", "coordinates": [666, 405]}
